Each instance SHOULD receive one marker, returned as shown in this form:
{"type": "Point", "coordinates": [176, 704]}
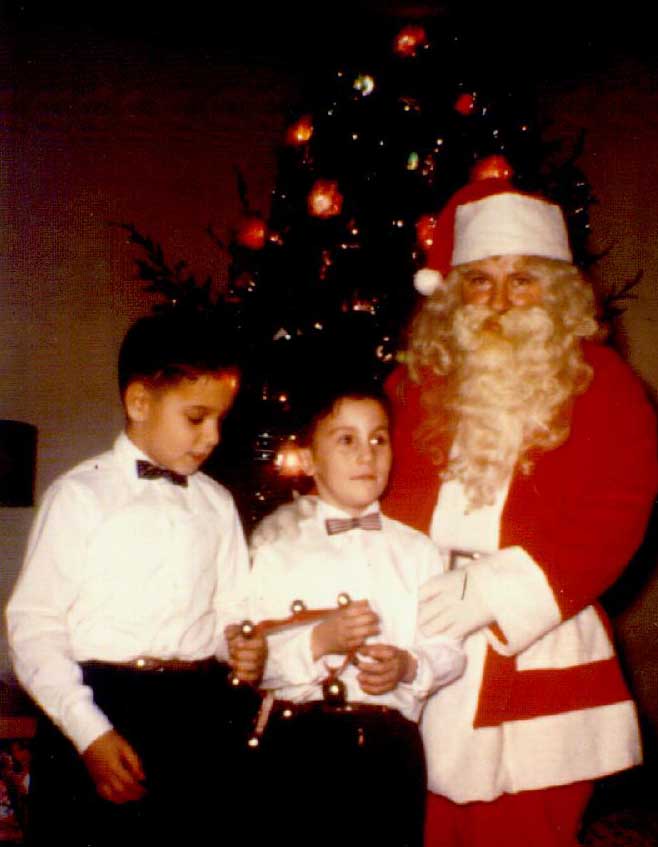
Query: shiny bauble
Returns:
{"type": "Point", "coordinates": [465, 104]}
{"type": "Point", "coordinates": [324, 199]}
{"type": "Point", "coordinates": [300, 131]}
{"type": "Point", "coordinates": [334, 692]}
{"type": "Point", "coordinates": [409, 41]}
{"type": "Point", "coordinates": [492, 167]}
{"type": "Point", "coordinates": [252, 232]}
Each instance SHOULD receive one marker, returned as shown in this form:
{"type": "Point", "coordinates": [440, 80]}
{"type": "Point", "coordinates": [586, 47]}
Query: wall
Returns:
{"type": "Point", "coordinates": [617, 107]}
{"type": "Point", "coordinates": [96, 131]}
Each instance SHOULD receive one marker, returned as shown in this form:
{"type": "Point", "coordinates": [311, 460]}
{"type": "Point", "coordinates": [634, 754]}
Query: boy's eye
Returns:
{"type": "Point", "coordinates": [195, 420]}
{"type": "Point", "coordinates": [346, 439]}
{"type": "Point", "coordinates": [379, 440]}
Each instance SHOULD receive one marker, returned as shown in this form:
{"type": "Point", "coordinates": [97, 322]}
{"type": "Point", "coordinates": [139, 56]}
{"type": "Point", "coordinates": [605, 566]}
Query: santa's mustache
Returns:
{"type": "Point", "coordinates": [475, 326]}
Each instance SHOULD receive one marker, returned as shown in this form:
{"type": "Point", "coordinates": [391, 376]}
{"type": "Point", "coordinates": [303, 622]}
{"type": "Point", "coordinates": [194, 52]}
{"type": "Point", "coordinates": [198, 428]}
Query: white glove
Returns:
{"type": "Point", "coordinates": [451, 605]}
{"type": "Point", "coordinates": [284, 522]}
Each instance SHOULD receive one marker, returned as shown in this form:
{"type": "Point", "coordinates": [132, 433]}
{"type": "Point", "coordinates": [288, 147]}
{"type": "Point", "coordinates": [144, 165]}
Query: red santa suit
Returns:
{"type": "Point", "coordinates": [543, 701]}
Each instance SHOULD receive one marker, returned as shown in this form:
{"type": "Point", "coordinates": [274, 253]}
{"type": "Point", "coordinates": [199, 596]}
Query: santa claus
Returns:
{"type": "Point", "coordinates": [526, 450]}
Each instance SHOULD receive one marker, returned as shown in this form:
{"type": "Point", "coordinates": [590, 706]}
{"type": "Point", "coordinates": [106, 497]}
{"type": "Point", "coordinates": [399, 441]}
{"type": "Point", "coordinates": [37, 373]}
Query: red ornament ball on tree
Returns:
{"type": "Point", "coordinates": [410, 40]}
{"type": "Point", "coordinates": [493, 167]}
{"type": "Point", "coordinates": [465, 104]}
{"type": "Point", "coordinates": [252, 232]}
{"type": "Point", "coordinates": [300, 132]}
{"type": "Point", "coordinates": [324, 199]}
{"type": "Point", "coordinates": [425, 229]}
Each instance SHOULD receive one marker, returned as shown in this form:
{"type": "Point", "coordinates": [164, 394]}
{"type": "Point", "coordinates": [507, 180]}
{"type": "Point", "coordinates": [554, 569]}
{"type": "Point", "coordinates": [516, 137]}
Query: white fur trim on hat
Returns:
{"type": "Point", "coordinates": [426, 281]}
{"type": "Point", "coordinates": [509, 224]}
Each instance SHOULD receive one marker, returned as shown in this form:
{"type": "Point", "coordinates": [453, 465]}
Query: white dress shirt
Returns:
{"type": "Point", "coordinates": [386, 567]}
{"type": "Point", "coordinates": [119, 567]}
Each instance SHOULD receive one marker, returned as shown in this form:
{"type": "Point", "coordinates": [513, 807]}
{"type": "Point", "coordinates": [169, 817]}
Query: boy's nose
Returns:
{"type": "Point", "coordinates": [366, 452]}
{"type": "Point", "coordinates": [212, 433]}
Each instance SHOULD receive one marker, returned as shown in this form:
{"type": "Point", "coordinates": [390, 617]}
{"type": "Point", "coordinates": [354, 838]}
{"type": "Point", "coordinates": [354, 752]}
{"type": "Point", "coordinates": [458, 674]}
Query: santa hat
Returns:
{"type": "Point", "coordinates": [489, 217]}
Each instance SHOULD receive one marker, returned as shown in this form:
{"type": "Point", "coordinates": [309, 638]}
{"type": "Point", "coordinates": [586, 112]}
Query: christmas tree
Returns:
{"type": "Point", "coordinates": [370, 154]}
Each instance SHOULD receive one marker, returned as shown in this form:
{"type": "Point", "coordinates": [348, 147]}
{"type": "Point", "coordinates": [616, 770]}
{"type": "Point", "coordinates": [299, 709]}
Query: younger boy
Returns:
{"type": "Point", "coordinates": [348, 770]}
{"type": "Point", "coordinates": [116, 625]}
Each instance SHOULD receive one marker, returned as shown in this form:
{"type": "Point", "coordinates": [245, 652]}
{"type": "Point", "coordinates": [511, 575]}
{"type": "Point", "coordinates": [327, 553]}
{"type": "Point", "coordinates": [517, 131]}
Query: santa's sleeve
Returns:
{"type": "Point", "coordinates": [590, 498]}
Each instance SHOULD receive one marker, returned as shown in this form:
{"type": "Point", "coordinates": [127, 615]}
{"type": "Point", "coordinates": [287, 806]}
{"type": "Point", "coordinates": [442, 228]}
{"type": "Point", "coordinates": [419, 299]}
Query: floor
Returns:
{"type": "Point", "coordinates": [624, 810]}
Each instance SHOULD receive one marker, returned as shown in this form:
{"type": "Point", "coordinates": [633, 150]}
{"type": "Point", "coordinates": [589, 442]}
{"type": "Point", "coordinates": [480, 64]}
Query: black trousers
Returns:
{"type": "Point", "coordinates": [190, 730]}
{"type": "Point", "coordinates": [335, 777]}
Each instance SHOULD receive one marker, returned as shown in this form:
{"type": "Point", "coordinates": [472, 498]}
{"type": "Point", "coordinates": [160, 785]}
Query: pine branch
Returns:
{"type": "Point", "coordinates": [175, 283]}
{"type": "Point", "coordinates": [615, 302]}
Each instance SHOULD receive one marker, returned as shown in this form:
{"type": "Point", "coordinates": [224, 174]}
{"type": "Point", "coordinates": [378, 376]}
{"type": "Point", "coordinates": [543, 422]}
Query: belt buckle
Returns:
{"type": "Point", "coordinates": [146, 663]}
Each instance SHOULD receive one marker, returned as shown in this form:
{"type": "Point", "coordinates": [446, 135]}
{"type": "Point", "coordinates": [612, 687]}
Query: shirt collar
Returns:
{"type": "Point", "coordinates": [326, 510]}
{"type": "Point", "coordinates": [126, 453]}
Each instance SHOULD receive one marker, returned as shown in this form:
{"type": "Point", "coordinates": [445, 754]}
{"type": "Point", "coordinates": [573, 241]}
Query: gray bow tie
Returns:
{"type": "Point", "coordinates": [336, 525]}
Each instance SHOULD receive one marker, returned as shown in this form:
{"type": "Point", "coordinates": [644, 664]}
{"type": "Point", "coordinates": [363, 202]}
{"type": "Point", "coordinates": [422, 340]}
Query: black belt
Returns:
{"type": "Point", "coordinates": [285, 709]}
{"type": "Point", "coordinates": [149, 664]}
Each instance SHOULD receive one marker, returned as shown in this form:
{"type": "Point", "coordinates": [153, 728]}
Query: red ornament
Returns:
{"type": "Point", "coordinates": [410, 40]}
{"type": "Point", "coordinates": [493, 167]}
{"type": "Point", "coordinates": [465, 104]}
{"type": "Point", "coordinates": [288, 460]}
{"type": "Point", "coordinates": [425, 229]}
{"type": "Point", "coordinates": [252, 232]}
{"type": "Point", "coordinates": [300, 132]}
{"type": "Point", "coordinates": [324, 199]}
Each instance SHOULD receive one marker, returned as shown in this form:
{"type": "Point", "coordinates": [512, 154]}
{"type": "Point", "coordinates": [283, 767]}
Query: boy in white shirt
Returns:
{"type": "Point", "coordinates": [342, 739]}
{"type": "Point", "coordinates": [133, 572]}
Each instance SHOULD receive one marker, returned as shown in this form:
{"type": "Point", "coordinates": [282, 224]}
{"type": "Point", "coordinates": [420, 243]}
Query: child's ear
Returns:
{"type": "Point", "coordinates": [306, 460]}
{"type": "Point", "coordinates": [137, 400]}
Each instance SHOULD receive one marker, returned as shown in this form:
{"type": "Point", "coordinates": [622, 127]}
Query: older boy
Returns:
{"type": "Point", "coordinates": [116, 624]}
{"type": "Point", "coordinates": [349, 768]}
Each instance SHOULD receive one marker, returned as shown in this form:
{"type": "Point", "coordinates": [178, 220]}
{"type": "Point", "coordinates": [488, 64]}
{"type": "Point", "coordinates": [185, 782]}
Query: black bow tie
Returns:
{"type": "Point", "coordinates": [147, 470]}
{"type": "Point", "coordinates": [336, 525]}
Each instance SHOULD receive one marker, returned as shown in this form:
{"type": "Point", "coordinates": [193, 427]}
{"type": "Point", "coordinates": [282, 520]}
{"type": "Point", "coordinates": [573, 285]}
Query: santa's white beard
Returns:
{"type": "Point", "coordinates": [506, 392]}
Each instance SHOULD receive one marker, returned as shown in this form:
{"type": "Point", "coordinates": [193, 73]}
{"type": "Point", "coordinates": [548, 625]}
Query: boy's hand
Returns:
{"type": "Point", "coordinates": [386, 667]}
{"type": "Point", "coordinates": [246, 655]}
{"type": "Point", "coordinates": [344, 630]}
{"type": "Point", "coordinates": [115, 768]}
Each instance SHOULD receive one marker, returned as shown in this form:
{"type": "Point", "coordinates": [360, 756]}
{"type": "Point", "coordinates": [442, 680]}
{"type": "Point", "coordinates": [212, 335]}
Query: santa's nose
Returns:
{"type": "Point", "coordinates": [499, 301]}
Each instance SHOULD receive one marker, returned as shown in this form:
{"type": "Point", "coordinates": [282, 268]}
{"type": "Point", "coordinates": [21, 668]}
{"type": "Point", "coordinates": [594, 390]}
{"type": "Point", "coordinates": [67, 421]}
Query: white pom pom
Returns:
{"type": "Point", "coordinates": [426, 281]}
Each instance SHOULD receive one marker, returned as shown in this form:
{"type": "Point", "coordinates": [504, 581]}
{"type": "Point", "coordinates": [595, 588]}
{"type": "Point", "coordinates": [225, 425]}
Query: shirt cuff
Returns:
{"type": "Point", "coordinates": [438, 665]}
{"type": "Point", "coordinates": [84, 723]}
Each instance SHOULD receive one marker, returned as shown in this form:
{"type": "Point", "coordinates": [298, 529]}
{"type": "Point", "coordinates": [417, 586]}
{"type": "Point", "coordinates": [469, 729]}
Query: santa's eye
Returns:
{"type": "Point", "coordinates": [478, 281]}
{"type": "Point", "coordinates": [521, 280]}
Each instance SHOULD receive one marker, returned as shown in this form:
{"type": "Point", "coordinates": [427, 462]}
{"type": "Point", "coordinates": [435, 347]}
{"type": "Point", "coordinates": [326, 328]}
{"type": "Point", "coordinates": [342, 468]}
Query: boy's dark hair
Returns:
{"type": "Point", "coordinates": [320, 400]}
{"type": "Point", "coordinates": [165, 347]}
